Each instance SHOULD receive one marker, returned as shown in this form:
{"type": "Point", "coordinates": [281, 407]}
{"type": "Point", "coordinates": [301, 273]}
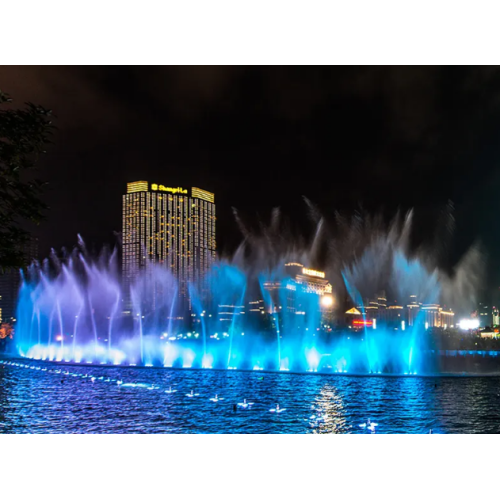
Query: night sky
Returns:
{"type": "Point", "coordinates": [259, 137]}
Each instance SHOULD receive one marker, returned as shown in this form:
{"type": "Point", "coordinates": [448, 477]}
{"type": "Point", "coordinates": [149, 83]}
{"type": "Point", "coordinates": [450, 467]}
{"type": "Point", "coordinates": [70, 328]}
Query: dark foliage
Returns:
{"type": "Point", "coordinates": [24, 137]}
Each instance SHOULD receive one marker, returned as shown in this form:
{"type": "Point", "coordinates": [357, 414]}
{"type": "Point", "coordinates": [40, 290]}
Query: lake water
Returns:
{"type": "Point", "coordinates": [38, 401]}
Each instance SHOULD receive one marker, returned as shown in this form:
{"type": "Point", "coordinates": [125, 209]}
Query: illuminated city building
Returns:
{"type": "Point", "coordinates": [395, 316]}
{"type": "Point", "coordinates": [496, 316]}
{"type": "Point", "coordinates": [274, 289]}
{"type": "Point", "coordinates": [484, 315]}
{"type": "Point", "coordinates": [413, 310]}
{"type": "Point", "coordinates": [309, 281]}
{"type": "Point", "coordinates": [289, 293]}
{"type": "Point", "coordinates": [376, 309]}
{"type": "Point", "coordinates": [371, 310]}
{"type": "Point", "coordinates": [256, 307]}
{"type": "Point", "coordinates": [356, 320]}
{"type": "Point", "coordinates": [490, 335]}
{"type": "Point", "coordinates": [435, 316]}
{"type": "Point", "coordinates": [382, 306]}
{"type": "Point", "coordinates": [167, 226]}
{"type": "Point", "coordinates": [399, 317]}
{"type": "Point", "coordinates": [230, 312]}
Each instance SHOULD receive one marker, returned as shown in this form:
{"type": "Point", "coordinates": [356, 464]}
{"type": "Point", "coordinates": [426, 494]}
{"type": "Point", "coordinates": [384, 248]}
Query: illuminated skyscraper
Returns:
{"type": "Point", "coordinates": [164, 225]}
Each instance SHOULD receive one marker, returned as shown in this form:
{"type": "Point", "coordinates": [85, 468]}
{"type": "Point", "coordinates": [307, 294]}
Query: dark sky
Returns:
{"type": "Point", "coordinates": [260, 137]}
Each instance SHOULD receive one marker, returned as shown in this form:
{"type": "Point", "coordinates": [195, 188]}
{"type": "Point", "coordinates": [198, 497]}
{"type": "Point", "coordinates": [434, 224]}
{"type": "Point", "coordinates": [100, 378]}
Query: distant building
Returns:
{"type": "Point", "coordinates": [413, 309]}
{"type": "Point", "coordinates": [309, 281]}
{"type": "Point", "coordinates": [400, 317]}
{"type": "Point", "coordinates": [170, 227]}
{"type": "Point", "coordinates": [496, 316]}
{"type": "Point", "coordinates": [229, 312]}
{"type": "Point", "coordinates": [435, 316]}
{"type": "Point", "coordinates": [372, 310]}
{"type": "Point", "coordinates": [382, 307]}
{"type": "Point", "coordinates": [395, 316]}
{"type": "Point", "coordinates": [355, 319]}
{"type": "Point", "coordinates": [256, 307]}
{"type": "Point", "coordinates": [290, 294]}
{"type": "Point", "coordinates": [484, 315]}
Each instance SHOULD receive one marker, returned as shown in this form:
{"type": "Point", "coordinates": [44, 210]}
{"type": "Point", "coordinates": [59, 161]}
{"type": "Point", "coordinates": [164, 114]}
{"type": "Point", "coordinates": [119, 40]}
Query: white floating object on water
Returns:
{"type": "Point", "coordinates": [119, 382]}
{"type": "Point", "coordinates": [245, 404]}
{"type": "Point", "coordinates": [170, 390]}
{"type": "Point", "coordinates": [277, 409]}
{"type": "Point", "coordinates": [369, 425]}
{"type": "Point", "coordinates": [192, 394]}
{"type": "Point", "coordinates": [216, 399]}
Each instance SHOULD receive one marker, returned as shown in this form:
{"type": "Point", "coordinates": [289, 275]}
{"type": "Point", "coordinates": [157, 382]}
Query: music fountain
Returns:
{"type": "Point", "coordinates": [264, 308]}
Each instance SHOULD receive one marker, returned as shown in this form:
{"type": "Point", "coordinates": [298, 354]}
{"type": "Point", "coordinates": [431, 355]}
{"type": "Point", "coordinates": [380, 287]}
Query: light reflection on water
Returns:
{"type": "Point", "coordinates": [35, 401]}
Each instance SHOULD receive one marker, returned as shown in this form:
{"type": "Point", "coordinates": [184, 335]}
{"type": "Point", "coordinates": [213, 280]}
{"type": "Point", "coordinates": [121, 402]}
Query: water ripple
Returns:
{"type": "Point", "coordinates": [36, 401]}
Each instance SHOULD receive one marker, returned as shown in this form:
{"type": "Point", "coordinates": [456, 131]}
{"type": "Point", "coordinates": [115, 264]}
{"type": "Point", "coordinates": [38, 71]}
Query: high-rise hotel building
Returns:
{"type": "Point", "coordinates": [169, 226]}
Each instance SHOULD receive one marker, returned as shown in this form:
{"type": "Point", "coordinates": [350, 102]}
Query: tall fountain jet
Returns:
{"type": "Point", "coordinates": [278, 303]}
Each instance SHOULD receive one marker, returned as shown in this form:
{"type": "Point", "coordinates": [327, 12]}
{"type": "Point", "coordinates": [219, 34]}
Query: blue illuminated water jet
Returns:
{"type": "Point", "coordinates": [248, 313]}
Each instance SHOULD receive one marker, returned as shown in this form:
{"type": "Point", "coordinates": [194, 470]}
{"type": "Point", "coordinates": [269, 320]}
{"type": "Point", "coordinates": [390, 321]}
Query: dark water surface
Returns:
{"type": "Point", "coordinates": [36, 401]}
